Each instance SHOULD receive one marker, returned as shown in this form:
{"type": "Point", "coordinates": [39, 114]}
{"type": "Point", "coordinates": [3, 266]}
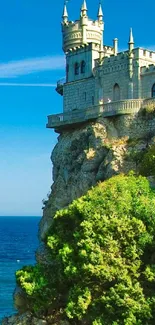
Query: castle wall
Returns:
{"type": "Point", "coordinates": [88, 54]}
{"type": "Point", "coordinates": [113, 71]}
{"type": "Point", "coordinates": [145, 57]}
{"type": "Point", "coordinates": [147, 81]}
{"type": "Point", "coordinates": [79, 95]}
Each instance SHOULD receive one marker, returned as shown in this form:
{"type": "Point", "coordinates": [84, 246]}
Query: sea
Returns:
{"type": "Point", "coordinates": [18, 243]}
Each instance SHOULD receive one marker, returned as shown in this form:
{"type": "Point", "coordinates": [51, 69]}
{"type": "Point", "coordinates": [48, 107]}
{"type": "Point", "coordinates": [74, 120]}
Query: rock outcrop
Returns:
{"type": "Point", "coordinates": [91, 153]}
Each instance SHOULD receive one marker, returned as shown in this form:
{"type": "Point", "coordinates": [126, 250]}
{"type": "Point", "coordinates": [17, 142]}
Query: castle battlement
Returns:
{"type": "Point", "coordinates": [112, 59]}
{"type": "Point", "coordinates": [81, 31]}
{"type": "Point", "coordinates": [148, 69]}
{"type": "Point", "coordinates": [83, 48]}
{"type": "Point", "coordinates": [144, 54]}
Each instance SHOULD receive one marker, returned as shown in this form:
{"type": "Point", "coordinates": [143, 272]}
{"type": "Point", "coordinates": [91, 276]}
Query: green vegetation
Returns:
{"type": "Point", "coordinates": [147, 166]}
{"type": "Point", "coordinates": [102, 267]}
{"type": "Point", "coordinates": [148, 109]}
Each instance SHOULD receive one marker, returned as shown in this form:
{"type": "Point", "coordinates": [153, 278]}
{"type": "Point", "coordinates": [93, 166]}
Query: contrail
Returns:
{"type": "Point", "coordinates": [13, 84]}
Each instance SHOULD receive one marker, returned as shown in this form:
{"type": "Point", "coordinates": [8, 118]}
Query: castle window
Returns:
{"type": "Point", "coordinates": [153, 90]}
{"type": "Point", "coordinates": [116, 92]}
{"type": "Point", "coordinates": [83, 67]}
{"type": "Point", "coordinates": [67, 71]}
{"type": "Point", "coordinates": [85, 96]}
{"type": "Point", "coordinates": [92, 100]}
{"type": "Point", "coordinates": [76, 68]}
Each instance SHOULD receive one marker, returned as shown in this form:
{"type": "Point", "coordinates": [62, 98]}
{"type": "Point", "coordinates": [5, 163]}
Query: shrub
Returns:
{"type": "Point", "coordinates": [148, 109]}
{"type": "Point", "coordinates": [102, 254]}
{"type": "Point", "coordinates": [147, 166]}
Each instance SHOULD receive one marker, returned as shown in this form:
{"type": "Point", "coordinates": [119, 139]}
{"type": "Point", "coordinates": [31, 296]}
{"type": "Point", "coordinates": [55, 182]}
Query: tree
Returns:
{"type": "Point", "coordinates": [102, 268]}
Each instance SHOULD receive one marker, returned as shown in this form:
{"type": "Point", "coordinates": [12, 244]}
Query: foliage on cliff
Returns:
{"type": "Point", "coordinates": [147, 166]}
{"type": "Point", "coordinates": [102, 269]}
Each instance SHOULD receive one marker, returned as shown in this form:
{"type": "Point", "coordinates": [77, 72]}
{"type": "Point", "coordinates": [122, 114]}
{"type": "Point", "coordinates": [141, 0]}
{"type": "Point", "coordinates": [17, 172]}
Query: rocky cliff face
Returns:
{"type": "Point", "coordinates": [80, 159]}
{"type": "Point", "coordinates": [91, 153]}
{"type": "Point", "coordinates": [84, 156]}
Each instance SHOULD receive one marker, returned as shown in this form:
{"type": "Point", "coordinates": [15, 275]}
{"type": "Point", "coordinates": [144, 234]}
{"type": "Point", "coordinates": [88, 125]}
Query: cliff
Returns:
{"type": "Point", "coordinates": [94, 152]}
{"type": "Point", "coordinates": [82, 157]}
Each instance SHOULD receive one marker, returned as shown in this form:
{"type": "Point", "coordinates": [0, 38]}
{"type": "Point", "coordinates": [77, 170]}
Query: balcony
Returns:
{"type": "Point", "coordinates": [127, 106]}
{"type": "Point", "coordinates": [59, 87]}
{"type": "Point", "coordinates": [75, 117]}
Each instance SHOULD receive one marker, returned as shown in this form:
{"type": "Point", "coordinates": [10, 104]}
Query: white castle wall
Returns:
{"type": "Point", "coordinates": [88, 54]}
{"type": "Point", "coordinates": [113, 71]}
{"type": "Point", "coordinates": [79, 94]}
{"type": "Point", "coordinates": [84, 91]}
{"type": "Point", "coordinates": [147, 81]}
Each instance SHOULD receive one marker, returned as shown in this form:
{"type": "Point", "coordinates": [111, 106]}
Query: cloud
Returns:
{"type": "Point", "coordinates": [13, 69]}
{"type": "Point", "coordinates": [15, 84]}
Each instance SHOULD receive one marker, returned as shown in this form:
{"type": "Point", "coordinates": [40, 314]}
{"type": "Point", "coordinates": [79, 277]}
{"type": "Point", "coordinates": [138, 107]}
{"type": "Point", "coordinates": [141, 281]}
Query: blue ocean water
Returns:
{"type": "Point", "coordinates": [18, 242]}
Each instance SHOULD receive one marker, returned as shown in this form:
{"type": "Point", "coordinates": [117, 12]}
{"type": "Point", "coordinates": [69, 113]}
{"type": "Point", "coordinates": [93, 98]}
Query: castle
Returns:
{"type": "Point", "coordinates": [100, 80]}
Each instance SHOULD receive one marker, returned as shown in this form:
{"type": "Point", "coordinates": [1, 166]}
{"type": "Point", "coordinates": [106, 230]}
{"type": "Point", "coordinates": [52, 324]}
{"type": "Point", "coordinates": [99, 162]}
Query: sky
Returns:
{"type": "Point", "coordinates": [31, 62]}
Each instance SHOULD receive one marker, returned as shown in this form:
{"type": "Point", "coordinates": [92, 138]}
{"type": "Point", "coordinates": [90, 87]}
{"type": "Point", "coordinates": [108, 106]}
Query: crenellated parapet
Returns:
{"type": "Point", "coordinates": [83, 31]}
{"type": "Point", "coordinates": [148, 69]}
{"type": "Point", "coordinates": [112, 63]}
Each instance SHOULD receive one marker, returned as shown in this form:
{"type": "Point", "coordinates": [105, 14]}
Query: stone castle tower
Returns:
{"type": "Point", "coordinates": [100, 80]}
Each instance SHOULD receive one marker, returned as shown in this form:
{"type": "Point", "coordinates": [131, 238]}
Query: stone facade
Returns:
{"type": "Point", "coordinates": [97, 73]}
{"type": "Point", "coordinates": [82, 92]}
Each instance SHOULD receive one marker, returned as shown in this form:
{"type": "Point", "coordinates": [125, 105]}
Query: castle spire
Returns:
{"type": "Point", "coordinates": [100, 12]}
{"type": "Point", "coordinates": [84, 9]}
{"type": "Point", "coordinates": [131, 41]}
{"type": "Point", "coordinates": [65, 14]}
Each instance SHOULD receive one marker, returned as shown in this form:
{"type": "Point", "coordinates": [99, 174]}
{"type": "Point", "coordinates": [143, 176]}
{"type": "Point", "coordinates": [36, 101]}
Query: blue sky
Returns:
{"type": "Point", "coordinates": [31, 61]}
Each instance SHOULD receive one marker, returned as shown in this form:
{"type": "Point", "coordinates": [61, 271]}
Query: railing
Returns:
{"type": "Point", "coordinates": [127, 106]}
{"type": "Point", "coordinates": [61, 82]}
{"type": "Point", "coordinates": [59, 87]}
{"type": "Point", "coordinates": [76, 115]}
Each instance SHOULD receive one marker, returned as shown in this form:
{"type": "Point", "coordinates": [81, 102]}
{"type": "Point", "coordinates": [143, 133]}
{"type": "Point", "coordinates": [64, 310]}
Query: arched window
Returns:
{"type": "Point", "coordinates": [153, 90]}
{"type": "Point", "coordinates": [83, 67]}
{"type": "Point", "coordinates": [116, 92]}
{"type": "Point", "coordinates": [76, 68]}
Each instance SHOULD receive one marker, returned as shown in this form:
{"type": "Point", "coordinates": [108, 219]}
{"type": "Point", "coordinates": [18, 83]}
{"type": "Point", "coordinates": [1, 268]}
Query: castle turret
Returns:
{"type": "Point", "coordinates": [64, 15]}
{"type": "Point", "coordinates": [101, 24]}
{"type": "Point", "coordinates": [84, 9]}
{"type": "Point", "coordinates": [100, 13]}
{"type": "Point", "coordinates": [84, 22]}
{"type": "Point", "coordinates": [131, 41]}
{"type": "Point", "coordinates": [81, 32]}
{"type": "Point", "coordinates": [131, 47]}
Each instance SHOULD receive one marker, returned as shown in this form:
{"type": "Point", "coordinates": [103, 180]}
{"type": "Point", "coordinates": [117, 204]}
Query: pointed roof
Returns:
{"type": "Point", "coordinates": [100, 11]}
{"type": "Point", "coordinates": [65, 13]}
{"type": "Point", "coordinates": [84, 6]}
{"type": "Point", "coordinates": [131, 40]}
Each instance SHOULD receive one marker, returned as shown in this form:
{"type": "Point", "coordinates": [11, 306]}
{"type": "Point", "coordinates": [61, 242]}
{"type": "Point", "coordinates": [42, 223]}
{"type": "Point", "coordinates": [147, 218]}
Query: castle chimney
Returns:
{"type": "Point", "coordinates": [115, 45]}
